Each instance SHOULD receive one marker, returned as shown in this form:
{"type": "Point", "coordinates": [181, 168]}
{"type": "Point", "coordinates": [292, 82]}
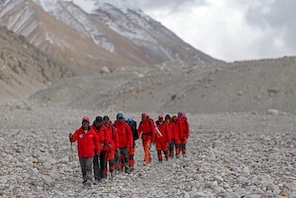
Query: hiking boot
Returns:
{"type": "Point", "coordinates": [132, 168]}
{"type": "Point", "coordinates": [160, 161]}
{"type": "Point", "coordinates": [166, 158]}
{"type": "Point", "coordinates": [103, 180]}
{"type": "Point", "coordinates": [112, 174]}
{"type": "Point", "coordinates": [87, 185]}
{"type": "Point", "coordinates": [177, 156]}
{"type": "Point", "coordinates": [96, 182]}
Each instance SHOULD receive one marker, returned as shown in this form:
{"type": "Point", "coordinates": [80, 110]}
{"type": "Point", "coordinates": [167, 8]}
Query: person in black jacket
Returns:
{"type": "Point", "coordinates": [131, 151]}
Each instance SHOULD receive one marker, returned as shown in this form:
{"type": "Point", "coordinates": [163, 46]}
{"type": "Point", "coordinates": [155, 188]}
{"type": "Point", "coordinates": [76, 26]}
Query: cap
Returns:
{"type": "Point", "coordinates": [85, 119]}
{"type": "Point", "coordinates": [119, 115]}
{"type": "Point", "coordinates": [160, 117]}
{"type": "Point", "coordinates": [180, 114]}
{"type": "Point", "coordinates": [99, 119]}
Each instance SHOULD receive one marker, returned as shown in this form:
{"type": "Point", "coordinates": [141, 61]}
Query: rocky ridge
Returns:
{"type": "Point", "coordinates": [23, 68]}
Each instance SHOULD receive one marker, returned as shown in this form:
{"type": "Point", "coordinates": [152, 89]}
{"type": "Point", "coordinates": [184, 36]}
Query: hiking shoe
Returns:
{"type": "Point", "coordinates": [87, 185]}
{"type": "Point", "coordinates": [96, 182]}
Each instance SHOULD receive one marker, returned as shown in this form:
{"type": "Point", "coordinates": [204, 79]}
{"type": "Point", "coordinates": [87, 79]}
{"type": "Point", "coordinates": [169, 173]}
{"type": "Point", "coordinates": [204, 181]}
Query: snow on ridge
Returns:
{"type": "Point", "coordinates": [90, 6]}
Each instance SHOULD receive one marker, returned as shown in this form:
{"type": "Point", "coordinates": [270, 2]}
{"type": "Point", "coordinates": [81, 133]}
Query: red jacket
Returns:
{"type": "Point", "coordinates": [170, 131]}
{"type": "Point", "coordinates": [125, 136]}
{"type": "Point", "coordinates": [147, 130]}
{"type": "Point", "coordinates": [104, 136]}
{"type": "Point", "coordinates": [177, 130]}
{"type": "Point", "coordinates": [164, 129]}
{"type": "Point", "coordinates": [86, 142]}
{"type": "Point", "coordinates": [185, 128]}
{"type": "Point", "coordinates": [114, 137]}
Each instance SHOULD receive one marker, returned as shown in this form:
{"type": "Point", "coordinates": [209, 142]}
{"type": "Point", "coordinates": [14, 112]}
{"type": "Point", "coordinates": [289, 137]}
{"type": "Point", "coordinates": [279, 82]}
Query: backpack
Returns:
{"type": "Point", "coordinates": [133, 125]}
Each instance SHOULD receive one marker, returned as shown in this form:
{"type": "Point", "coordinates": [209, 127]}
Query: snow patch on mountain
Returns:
{"type": "Point", "coordinates": [90, 6]}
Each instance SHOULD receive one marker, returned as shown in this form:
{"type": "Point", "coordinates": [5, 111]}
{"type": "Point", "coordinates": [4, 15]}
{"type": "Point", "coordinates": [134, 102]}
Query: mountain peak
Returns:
{"type": "Point", "coordinates": [91, 34]}
{"type": "Point", "coordinates": [89, 6]}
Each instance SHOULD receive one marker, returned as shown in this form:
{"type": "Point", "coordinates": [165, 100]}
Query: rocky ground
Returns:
{"type": "Point", "coordinates": [229, 155]}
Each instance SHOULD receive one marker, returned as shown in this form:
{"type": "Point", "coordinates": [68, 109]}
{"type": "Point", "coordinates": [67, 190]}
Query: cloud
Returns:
{"type": "Point", "coordinates": [230, 29]}
{"type": "Point", "coordinates": [276, 20]}
{"type": "Point", "coordinates": [171, 4]}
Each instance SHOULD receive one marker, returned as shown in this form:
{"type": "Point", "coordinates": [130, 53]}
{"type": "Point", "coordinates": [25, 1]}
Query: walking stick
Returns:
{"type": "Point", "coordinates": [72, 155]}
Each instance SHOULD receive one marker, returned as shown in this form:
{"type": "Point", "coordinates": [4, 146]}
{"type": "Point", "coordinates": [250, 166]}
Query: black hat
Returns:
{"type": "Point", "coordinates": [99, 119]}
{"type": "Point", "coordinates": [105, 118]}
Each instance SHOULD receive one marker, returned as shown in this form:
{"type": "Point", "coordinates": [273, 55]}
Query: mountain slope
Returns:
{"type": "Point", "coordinates": [238, 87]}
{"type": "Point", "coordinates": [23, 68]}
{"type": "Point", "coordinates": [91, 34]}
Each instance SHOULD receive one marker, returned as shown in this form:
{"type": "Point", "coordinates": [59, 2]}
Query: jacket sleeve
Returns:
{"type": "Point", "coordinates": [181, 130]}
{"type": "Point", "coordinates": [187, 128]}
{"type": "Point", "coordinates": [75, 136]}
{"type": "Point", "coordinates": [152, 130]}
{"type": "Point", "coordinates": [129, 135]}
{"type": "Point", "coordinates": [168, 131]}
{"type": "Point", "coordinates": [107, 136]}
{"type": "Point", "coordinates": [96, 142]}
{"type": "Point", "coordinates": [115, 137]}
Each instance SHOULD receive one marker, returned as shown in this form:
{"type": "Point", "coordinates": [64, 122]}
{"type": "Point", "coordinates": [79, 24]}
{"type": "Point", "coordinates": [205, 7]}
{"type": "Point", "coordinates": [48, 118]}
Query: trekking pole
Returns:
{"type": "Point", "coordinates": [72, 155]}
{"type": "Point", "coordinates": [71, 150]}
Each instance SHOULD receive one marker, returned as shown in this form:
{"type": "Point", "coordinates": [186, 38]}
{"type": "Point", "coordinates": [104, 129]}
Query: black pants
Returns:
{"type": "Point", "coordinates": [99, 168]}
{"type": "Point", "coordinates": [171, 148]}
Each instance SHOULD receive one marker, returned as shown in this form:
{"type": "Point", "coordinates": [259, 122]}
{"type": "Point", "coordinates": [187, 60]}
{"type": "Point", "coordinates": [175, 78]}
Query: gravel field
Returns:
{"type": "Point", "coordinates": [229, 155]}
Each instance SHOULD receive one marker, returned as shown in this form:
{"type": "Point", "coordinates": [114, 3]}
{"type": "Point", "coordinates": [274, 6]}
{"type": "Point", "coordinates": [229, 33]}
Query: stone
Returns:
{"type": "Point", "coordinates": [273, 112]}
{"type": "Point", "coordinates": [47, 165]}
{"type": "Point", "coordinates": [218, 178]}
{"type": "Point", "coordinates": [284, 193]}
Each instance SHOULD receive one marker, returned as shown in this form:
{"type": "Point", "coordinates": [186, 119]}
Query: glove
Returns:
{"type": "Point", "coordinates": [70, 137]}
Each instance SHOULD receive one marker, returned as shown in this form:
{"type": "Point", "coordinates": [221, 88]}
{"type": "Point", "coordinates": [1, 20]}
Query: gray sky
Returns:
{"type": "Point", "coordinates": [230, 29]}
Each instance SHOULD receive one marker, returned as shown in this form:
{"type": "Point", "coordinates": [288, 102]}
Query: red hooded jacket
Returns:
{"type": "Point", "coordinates": [164, 129]}
{"type": "Point", "coordinates": [86, 142]}
{"type": "Point", "coordinates": [185, 127]}
{"type": "Point", "coordinates": [177, 130]}
{"type": "Point", "coordinates": [104, 136]}
{"type": "Point", "coordinates": [125, 136]}
{"type": "Point", "coordinates": [114, 137]}
{"type": "Point", "coordinates": [147, 129]}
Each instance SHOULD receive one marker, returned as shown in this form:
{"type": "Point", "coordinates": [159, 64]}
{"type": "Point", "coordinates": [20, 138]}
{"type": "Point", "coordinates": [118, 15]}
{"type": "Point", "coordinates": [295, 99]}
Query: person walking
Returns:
{"type": "Point", "coordinates": [100, 162]}
{"type": "Point", "coordinates": [131, 151]}
{"type": "Point", "coordinates": [185, 127]}
{"type": "Point", "coordinates": [171, 144]}
{"type": "Point", "coordinates": [113, 145]}
{"type": "Point", "coordinates": [146, 132]}
{"type": "Point", "coordinates": [125, 139]}
{"type": "Point", "coordinates": [178, 134]}
{"type": "Point", "coordinates": [87, 144]}
{"type": "Point", "coordinates": [162, 138]}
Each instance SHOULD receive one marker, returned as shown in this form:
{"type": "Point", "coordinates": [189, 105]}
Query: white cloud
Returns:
{"type": "Point", "coordinates": [229, 29]}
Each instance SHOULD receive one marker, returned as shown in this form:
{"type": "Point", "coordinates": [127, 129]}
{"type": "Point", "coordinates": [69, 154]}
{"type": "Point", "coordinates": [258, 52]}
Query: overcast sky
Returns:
{"type": "Point", "coordinates": [230, 29]}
